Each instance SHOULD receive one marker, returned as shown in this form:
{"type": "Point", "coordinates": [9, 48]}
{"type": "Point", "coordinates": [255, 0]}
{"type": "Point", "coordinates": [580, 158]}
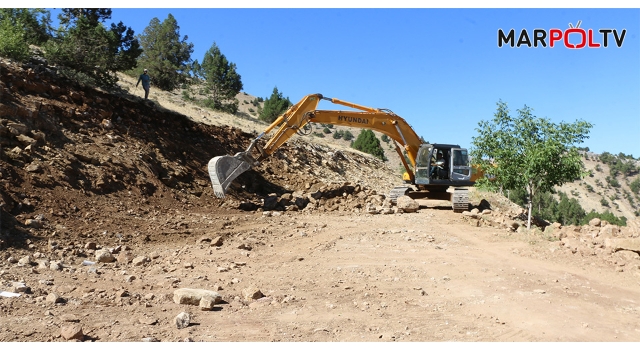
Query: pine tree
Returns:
{"type": "Point", "coordinates": [221, 79]}
{"type": "Point", "coordinates": [274, 106]}
{"type": "Point", "coordinates": [89, 50]}
{"type": "Point", "coordinates": [368, 142]}
{"type": "Point", "coordinates": [165, 56]}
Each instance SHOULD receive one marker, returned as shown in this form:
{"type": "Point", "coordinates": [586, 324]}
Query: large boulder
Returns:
{"type": "Point", "coordinates": [407, 204]}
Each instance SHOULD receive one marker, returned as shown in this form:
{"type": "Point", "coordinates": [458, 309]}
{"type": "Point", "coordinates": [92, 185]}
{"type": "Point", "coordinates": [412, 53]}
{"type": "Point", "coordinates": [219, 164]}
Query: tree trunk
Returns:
{"type": "Point", "coordinates": [529, 220]}
{"type": "Point", "coordinates": [530, 195]}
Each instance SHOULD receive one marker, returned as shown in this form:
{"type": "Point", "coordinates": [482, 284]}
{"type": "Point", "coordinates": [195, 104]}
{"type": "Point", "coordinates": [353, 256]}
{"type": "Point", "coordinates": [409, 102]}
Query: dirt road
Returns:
{"type": "Point", "coordinates": [426, 276]}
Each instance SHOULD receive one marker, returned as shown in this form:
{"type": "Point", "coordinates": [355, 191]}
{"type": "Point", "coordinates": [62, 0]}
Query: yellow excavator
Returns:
{"type": "Point", "coordinates": [434, 167]}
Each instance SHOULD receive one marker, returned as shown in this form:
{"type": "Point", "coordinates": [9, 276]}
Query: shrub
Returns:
{"type": "Point", "coordinates": [12, 43]}
{"type": "Point", "coordinates": [368, 142]}
{"type": "Point", "coordinates": [348, 136]}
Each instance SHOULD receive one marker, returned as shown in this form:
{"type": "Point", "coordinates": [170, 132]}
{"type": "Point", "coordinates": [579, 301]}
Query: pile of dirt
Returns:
{"type": "Point", "coordinates": [69, 149]}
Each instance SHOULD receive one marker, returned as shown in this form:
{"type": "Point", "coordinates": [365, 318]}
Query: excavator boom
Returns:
{"type": "Point", "coordinates": [224, 169]}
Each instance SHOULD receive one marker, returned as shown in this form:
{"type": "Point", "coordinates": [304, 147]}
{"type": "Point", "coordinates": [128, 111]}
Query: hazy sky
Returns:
{"type": "Point", "coordinates": [439, 69]}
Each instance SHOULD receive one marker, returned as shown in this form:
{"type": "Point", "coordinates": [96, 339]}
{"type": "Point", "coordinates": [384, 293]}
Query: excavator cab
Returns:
{"type": "Point", "coordinates": [440, 164]}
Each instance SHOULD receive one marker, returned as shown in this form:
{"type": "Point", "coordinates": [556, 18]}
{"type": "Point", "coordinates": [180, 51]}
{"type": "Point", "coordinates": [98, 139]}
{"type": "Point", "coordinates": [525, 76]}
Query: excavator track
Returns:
{"type": "Point", "coordinates": [459, 198]}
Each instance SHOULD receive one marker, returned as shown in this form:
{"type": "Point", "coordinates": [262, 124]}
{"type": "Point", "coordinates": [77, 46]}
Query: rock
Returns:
{"type": "Point", "coordinates": [104, 256]}
{"type": "Point", "coordinates": [25, 261]}
{"type": "Point", "coordinates": [189, 296]}
{"type": "Point", "coordinates": [54, 298]}
{"type": "Point", "coordinates": [470, 214]}
{"type": "Point", "coordinates": [203, 239]}
{"type": "Point", "coordinates": [12, 260]}
{"type": "Point", "coordinates": [617, 244]}
{"type": "Point", "coordinates": [90, 245]}
{"type": "Point", "coordinates": [55, 266]}
{"type": "Point", "coordinates": [129, 279]}
{"type": "Point", "coordinates": [595, 222]}
{"type": "Point", "coordinates": [43, 264]}
{"type": "Point", "coordinates": [371, 209]}
{"type": "Point", "coordinates": [69, 318]}
{"type": "Point", "coordinates": [124, 257]}
{"type": "Point", "coordinates": [140, 260]}
{"type": "Point", "coordinates": [26, 140]}
{"type": "Point", "coordinates": [486, 212]}
{"type": "Point", "coordinates": [207, 303]}
{"type": "Point", "coordinates": [387, 210]}
{"type": "Point", "coordinates": [33, 223]}
{"type": "Point", "coordinates": [19, 287]}
{"type": "Point", "coordinates": [150, 340]}
{"type": "Point", "coordinates": [252, 293]}
{"type": "Point", "coordinates": [72, 332]}
{"type": "Point", "coordinates": [407, 204]}
{"type": "Point", "coordinates": [150, 321]}
{"type": "Point", "coordinates": [216, 242]}
{"type": "Point", "coordinates": [182, 320]}
{"type": "Point", "coordinates": [609, 230]}
{"type": "Point", "coordinates": [270, 203]}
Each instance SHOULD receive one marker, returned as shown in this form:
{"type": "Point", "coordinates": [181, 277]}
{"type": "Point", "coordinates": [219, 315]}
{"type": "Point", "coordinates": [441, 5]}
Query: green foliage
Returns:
{"type": "Point", "coordinates": [84, 47]}
{"type": "Point", "coordinates": [35, 23]}
{"type": "Point", "coordinates": [256, 101]}
{"type": "Point", "coordinates": [635, 185]}
{"type": "Point", "coordinates": [274, 106]}
{"type": "Point", "coordinates": [348, 136]}
{"type": "Point", "coordinates": [566, 211]}
{"type": "Point", "coordinates": [606, 216]}
{"type": "Point", "coordinates": [529, 152]}
{"type": "Point", "coordinates": [318, 134]}
{"type": "Point", "coordinates": [165, 56]}
{"type": "Point", "coordinates": [589, 187]}
{"type": "Point", "coordinates": [222, 80]}
{"type": "Point", "coordinates": [368, 142]}
{"type": "Point", "coordinates": [326, 130]}
{"type": "Point", "coordinates": [186, 96]}
{"type": "Point", "coordinates": [385, 138]}
{"type": "Point", "coordinates": [12, 41]}
{"type": "Point", "coordinates": [338, 134]}
{"type": "Point", "coordinates": [612, 181]}
{"type": "Point", "coordinates": [620, 164]}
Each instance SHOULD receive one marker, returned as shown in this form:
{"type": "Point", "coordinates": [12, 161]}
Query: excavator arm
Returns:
{"type": "Point", "coordinates": [224, 169]}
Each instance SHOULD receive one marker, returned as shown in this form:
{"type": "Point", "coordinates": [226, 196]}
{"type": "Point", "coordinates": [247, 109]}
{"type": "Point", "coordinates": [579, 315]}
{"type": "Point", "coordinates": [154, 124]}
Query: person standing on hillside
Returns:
{"type": "Point", "coordinates": [145, 79]}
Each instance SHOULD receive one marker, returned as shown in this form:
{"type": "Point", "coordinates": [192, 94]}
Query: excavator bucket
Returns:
{"type": "Point", "coordinates": [224, 169]}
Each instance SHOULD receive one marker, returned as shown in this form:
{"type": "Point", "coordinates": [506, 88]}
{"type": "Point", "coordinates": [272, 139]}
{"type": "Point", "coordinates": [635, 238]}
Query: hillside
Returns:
{"type": "Point", "coordinates": [108, 223]}
{"type": "Point", "coordinates": [589, 191]}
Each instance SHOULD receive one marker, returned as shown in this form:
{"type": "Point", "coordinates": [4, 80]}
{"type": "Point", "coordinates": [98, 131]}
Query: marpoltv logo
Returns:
{"type": "Point", "coordinates": [572, 38]}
